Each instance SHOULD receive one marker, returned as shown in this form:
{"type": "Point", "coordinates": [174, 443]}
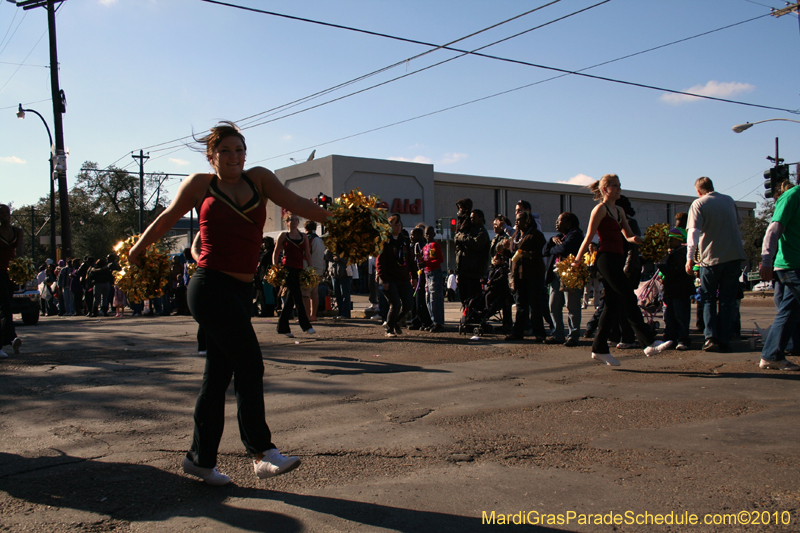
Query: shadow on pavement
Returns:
{"type": "Point", "coordinates": [142, 493]}
{"type": "Point", "coordinates": [352, 366]}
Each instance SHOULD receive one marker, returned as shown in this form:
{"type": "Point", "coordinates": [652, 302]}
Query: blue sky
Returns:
{"type": "Point", "coordinates": [137, 73]}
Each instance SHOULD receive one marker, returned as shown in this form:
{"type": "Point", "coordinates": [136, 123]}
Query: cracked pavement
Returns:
{"type": "Point", "coordinates": [420, 433]}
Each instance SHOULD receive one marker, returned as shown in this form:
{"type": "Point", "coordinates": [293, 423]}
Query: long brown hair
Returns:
{"type": "Point", "coordinates": [224, 129]}
{"type": "Point", "coordinates": [597, 186]}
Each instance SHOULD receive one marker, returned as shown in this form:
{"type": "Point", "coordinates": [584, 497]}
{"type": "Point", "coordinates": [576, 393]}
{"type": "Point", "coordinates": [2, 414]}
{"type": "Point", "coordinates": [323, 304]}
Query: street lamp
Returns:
{"type": "Point", "coordinates": [739, 128]}
{"type": "Point", "coordinates": [21, 115]}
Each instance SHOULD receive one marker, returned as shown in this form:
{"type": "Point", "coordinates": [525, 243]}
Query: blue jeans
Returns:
{"type": "Point", "coordinates": [723, 279]}
{"type": "Point", "coordinates": [787, 318]}
{"type": "Point", "coordinates": [434, 296]}
{"type": "Point", "coordinates": [573, 300]}
{"type": "Point", "coordinates": [677, 313]}
{"type": "Point", "coordinates": [341, 288]}
{"type": "Point", "coordinates": [794, 341]}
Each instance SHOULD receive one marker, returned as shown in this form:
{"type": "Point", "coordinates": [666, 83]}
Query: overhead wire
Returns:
{"type": "Point", "coordinates": [57, 9]}
{"type": "Point", "coordinates": [15, 29]}
{"type": "Point", "coordinates": [435, 47]}
{"type": "Point", "coordinates": [564, 72]}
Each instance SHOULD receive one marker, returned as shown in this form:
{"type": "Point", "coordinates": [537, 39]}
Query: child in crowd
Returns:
{"type": "Point", "coordinates": [452, 285]}
{"type": "Point", "coordinates": [498, 293]}
{"type": "Point", "coordinates": [678, 291]}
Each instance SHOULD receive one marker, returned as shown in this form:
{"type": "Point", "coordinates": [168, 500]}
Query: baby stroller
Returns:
{"type": "Point", "coordinates": [475, 315]}
{"type": "Point", "coordinates": [649, 297]}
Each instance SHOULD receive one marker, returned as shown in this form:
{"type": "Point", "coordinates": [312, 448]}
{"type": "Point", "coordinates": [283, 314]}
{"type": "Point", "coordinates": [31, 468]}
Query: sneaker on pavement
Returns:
{"type": "Point", "coordinates": [606, 358]}
{"type": "Point", "coordinates": [274, 464]}
{"type": "Point", "coordinates": [625, 345]}
{"type": "Point", "coordinates": [289, 335]}
{"type": "Point", "coordinates": [783, 364]}
{"type": "Point", "coordinates": [311, 331]}
{"type": "Point", "coordinates": [3, 354]}
{"type": "Point", "coordinates": [210, 475]}
{"type": "Point", "coordinates": [682, 347]}
{"type": "Point", "coordinates": [571, 342]}
{"type": "Point", "coordinates": [397, 330]}
{"type": "Point", "coordinates": [552, 340]}
{"type": "Point", "coordinates": [15, 344]}
{"type": "Point", "coordinates": [711, 345]}
{"type": "Point", "coordinates": [657, 347]}
{"type": "Point", "coordinates": [391, 334]}
{"type": "Point", "coordinates": [436, 328]}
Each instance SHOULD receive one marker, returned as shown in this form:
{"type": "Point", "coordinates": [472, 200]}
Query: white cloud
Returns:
{"type": "Point", "coordinates": [580, 179]}
{"type": "Point", "coordinates": [287, 137]}
{"type": "Point", "coordinates": [712, 88]}
{"type": "Point", "coordinates": [453, 157]}
{"type": "Point", "coordinates": [13, 160]}
{"type": "Point", "coordinates": [417, 159]}
{"type": "Point", "coordinates": [180, 162]}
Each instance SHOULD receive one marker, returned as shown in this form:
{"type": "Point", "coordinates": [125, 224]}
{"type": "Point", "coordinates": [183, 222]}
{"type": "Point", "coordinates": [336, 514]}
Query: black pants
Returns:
{"type": "Point", "coordinates": [221, 305]}
{"type": "Point", "coordinates": [294, 298]}
{"type": "Point", "coordinates": [7, 332]}
{"type": "Point", "coordinates": [620, 301]}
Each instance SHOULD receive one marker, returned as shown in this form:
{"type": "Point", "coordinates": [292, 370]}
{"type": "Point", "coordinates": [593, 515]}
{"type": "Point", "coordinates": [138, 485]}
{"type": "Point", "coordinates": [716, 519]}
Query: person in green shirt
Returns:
{"type": "Point", "coordinates": [780, 255]}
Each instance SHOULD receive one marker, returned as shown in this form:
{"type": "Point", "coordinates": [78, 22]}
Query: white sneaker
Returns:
{"type": "Point", "coordinates": [202, 352]}
{"type": "Point", "coordinates": [289, 335]}
{"type": "Point", "coordinates": [3, 354]}
{"type": "Point", "coordinates": [778, 365]}
{"type": "Point", "coordinates": [209, 475]}
{"type": "Point", "coordinates": [16, 344]}
{"type": "Point", "coordinates": [625, 345]}
{"type": "Point", "coordinates": [274, 464]}
{"type": "Point", "coordinates": [657, 347]}
{"type": "Point", "coordinates": [310, 331]}
{"type": "Point", "coordinates": [606, 358]}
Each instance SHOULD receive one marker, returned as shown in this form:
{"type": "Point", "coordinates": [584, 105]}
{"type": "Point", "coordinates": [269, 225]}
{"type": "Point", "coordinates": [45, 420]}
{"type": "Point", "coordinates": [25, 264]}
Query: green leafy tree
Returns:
{"type": "Point", "coordinates": [104, 209]}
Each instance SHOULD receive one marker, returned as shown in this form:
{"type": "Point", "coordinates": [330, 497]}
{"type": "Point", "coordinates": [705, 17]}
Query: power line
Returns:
{"type": "Point", "coordinates": [359, 78]}
{"type": "Point", "coordinates": [564, 72]}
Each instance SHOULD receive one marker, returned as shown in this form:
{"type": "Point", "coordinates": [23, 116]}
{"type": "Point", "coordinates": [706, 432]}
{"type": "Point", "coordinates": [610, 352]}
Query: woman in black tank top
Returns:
{"type": "Point", "coordinates": [222, 304]}
{"type": "Point", "coordinates": [620, 301]}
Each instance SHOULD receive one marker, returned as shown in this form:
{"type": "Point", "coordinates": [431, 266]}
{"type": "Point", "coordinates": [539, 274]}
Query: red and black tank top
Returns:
{"type": "Point", "coordinates": [8, 249]}
{"type": "Point", "coordinates": [610, 233]}
{"type": "Point", "coordinates": [231, 234]}
{"type": "Point", "coordinates": [293, 252]}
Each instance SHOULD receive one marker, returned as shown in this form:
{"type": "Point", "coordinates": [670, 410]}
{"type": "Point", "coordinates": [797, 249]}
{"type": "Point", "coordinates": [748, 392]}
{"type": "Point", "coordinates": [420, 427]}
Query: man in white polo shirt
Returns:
{"type": "Point", "coordinates": [713, 230]}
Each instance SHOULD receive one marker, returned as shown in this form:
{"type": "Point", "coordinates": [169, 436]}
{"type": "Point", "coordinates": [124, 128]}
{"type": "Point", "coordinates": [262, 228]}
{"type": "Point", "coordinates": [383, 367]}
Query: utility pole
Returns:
{"type": "Point", "coordinates": [790, 8]}
{"type": "Point", "coordinates": [59, 108]}
{"type": "Point", "coordinates": [142, 158]}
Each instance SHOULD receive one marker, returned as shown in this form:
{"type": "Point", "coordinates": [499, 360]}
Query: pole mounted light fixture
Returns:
{"type": "Point", "coordinates": [739, 128]}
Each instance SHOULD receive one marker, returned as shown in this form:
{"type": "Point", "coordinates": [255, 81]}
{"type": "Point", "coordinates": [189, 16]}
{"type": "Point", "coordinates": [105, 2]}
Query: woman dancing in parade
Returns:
{"type": "Point", "coordinates": [294, 246]}
{"type": "Point", "coordinates": [10, 246]}
{"type": "Point", "coordinates": [232, 207]}
{"type": "Point", "coordinates": [610, 223]}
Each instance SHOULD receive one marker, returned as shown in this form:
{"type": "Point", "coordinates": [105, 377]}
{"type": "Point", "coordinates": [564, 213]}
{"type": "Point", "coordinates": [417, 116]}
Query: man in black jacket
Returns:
{"type": "Point", "coordinates": [568, 241]}
{"type": "Point", "coordinates": [393, 273]}
{"type": "Point", "coordinates": [472, 256]}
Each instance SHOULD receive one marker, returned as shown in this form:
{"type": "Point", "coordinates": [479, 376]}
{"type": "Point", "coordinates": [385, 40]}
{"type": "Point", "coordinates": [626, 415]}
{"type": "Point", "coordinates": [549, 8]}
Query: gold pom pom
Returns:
{"type": "Point", "coordinates": [309, 277]}
{"type": "Point", "coordinates": [147, 281]}
{"type": "Point", "coordinates": [191, 268]}
{"type": "Point", "coordinates": [571, 277]}
{"type": "Point", "coordinates": [357, 228]}
{"type": "Point", "coordinates": [21, 270]}
{"type": "Point", "coordinates": [589, 258]}
{"type": "Point", "coordinates": [656, 242]}
{"type": "Point", "coordinates": [276, 275]}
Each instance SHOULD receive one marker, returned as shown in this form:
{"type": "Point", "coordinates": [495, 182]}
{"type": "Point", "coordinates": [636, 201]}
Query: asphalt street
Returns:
{"type": "Point", "coordinates": [425, 432]}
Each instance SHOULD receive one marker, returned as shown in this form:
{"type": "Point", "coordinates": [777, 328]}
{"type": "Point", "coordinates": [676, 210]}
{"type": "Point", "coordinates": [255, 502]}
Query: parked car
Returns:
{"type": "Point", "coordinates": [763, 286]}
{"type": "Point", "coordinates": [26, 303]}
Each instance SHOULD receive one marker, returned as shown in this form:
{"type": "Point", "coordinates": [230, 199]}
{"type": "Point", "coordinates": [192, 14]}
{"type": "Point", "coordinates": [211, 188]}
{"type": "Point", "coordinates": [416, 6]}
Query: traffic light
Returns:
{"type": "Point", "coordinates": [439, 226]}
{"type": "Point", "coordinates": [324, 200]}
{"type": "Point", "coordinates": [774, 177]}
{"type": "Point", "coordinates": [453, 223]}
